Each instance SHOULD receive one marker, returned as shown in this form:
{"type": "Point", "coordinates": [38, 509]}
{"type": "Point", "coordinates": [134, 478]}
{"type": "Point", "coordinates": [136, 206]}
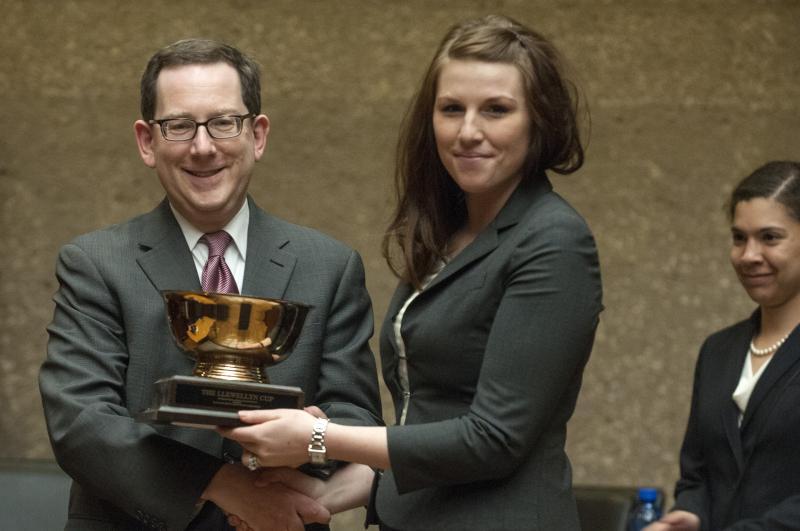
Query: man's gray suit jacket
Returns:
{"type": "Point", "coordinates": [109, 341]}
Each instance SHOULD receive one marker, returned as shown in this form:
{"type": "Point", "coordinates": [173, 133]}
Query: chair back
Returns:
{"type": "Point", "coordinates": [34, 495]}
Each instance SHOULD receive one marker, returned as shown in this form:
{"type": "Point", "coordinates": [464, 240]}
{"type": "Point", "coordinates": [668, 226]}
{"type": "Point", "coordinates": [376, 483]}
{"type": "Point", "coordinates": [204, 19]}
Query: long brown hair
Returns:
{"type": "Point", "coordinates": [430, 206]}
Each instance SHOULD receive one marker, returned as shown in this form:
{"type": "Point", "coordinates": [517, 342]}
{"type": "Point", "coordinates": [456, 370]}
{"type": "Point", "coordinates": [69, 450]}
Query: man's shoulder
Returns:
{"type": "Point", "coordinates": [117, 235]}
{"type": "Point", "coordinates": [294, 237]}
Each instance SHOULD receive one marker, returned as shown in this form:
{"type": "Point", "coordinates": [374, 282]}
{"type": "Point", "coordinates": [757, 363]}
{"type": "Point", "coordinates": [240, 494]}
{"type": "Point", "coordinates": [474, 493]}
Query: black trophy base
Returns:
{"type": "Point", "coordinates": [208, 402]}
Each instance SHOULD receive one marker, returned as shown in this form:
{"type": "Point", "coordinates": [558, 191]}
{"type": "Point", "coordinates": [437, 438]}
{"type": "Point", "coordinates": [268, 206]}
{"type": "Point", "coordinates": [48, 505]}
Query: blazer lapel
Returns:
{"type": "Point", "coordinates": [784, 359]}
{"type": "Point", "coordinates": [166, 261]}
{"type": "Point", "coordinates": [268, 267]}
{"type": "Point", "coordinates": [485, 243]}
{"type": "Point", "coordinates": [729, 378]}
{"type": "Point", "coordinates": [730, 421]}
{"type": "Point", "coordinates": [512, 212]}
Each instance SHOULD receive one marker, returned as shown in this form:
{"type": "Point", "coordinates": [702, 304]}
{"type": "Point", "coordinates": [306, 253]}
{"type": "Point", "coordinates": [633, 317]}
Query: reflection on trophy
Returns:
{"type": "Point", "coordinates": [233, 339]}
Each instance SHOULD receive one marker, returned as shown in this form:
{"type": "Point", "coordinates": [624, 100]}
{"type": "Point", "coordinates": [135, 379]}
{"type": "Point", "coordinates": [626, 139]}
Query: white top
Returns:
{"type": "Point", "coordinates": [747, 381]}
{"type": "Point", "coordinates": [235, 255]}
{"type": "Point", "coordinates": [402, 362]}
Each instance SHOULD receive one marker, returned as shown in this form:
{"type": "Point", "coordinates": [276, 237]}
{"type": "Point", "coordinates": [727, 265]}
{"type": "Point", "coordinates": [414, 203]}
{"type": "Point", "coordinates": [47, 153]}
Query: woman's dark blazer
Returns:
{"type": "Point", "coordinates": [496, 347]}
{"type": "Point", "coordinates": [744, 478]}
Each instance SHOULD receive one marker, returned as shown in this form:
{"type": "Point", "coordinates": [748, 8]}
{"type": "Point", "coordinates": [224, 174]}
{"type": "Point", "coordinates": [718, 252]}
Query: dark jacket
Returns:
{"type": "Point", "coordinates": [747, 478]}
{"type": "Point", "coordinates": [496, 348]}
{"type": "Point", "coordinates": [109, 342]}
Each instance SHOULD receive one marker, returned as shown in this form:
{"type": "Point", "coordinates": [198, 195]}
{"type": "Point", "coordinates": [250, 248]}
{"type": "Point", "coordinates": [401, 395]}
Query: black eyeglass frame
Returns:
{"type": "Point", "coordinates": [241, 117]}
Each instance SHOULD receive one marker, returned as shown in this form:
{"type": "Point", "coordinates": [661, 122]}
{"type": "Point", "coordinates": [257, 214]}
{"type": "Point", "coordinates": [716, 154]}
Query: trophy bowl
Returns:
{"type": "Point", "coordinates": [233, 339]}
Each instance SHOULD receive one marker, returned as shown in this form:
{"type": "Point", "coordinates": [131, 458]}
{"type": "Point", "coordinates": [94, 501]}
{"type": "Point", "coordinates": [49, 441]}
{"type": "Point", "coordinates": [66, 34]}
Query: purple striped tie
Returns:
{"type": "Point", "coordinates": [217, 276]}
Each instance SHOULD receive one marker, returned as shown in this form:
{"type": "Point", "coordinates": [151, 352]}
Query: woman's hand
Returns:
{"type": "Point", "coordinates": [294, 479]}
{"type": "Point", "coordinates": [283, 477]}
{"type": "Point", "coordinates": [348, 488]}
{"type": "Point", "coordinates": [276, 437]}
{"type": "Point", "coordinates": [280, 437]}
{"type": "Point", "coordinates": [676, 521]}
{"type": "Point", "coordinates": [274, 506]}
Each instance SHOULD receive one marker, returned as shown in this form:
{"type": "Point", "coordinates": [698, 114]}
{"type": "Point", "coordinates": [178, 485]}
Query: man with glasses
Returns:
{"type": "Point", "coordinates": [202, 131]}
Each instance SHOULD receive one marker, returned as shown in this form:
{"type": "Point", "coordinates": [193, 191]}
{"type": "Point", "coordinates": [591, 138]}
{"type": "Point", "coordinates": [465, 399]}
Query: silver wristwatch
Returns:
{"type": "Point", "coordinates": [316, 448]}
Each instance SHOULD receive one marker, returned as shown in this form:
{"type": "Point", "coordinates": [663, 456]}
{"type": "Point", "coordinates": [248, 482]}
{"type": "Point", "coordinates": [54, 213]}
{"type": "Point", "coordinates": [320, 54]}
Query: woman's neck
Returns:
{"type": "Point", "coordinates": [479, 215]}
{"type": "Point", "coordinates": [778, 321]}
{"type": "Point", "coordinates": [482, 209]}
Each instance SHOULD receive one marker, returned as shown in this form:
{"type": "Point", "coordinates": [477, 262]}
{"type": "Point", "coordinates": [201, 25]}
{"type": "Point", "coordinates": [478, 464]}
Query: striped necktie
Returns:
{"type": "Point", "coordinates": [217, 276]}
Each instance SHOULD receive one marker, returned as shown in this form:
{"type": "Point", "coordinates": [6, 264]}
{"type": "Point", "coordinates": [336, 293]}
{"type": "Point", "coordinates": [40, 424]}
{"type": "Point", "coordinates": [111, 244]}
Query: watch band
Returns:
{"type": "Point", "coordinates": [316, 447]}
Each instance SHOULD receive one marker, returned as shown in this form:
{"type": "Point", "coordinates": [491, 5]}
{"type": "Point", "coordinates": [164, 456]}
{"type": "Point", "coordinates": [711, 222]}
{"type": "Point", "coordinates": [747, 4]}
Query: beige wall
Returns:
{"type": "Point", "coordinates": [686, 97]}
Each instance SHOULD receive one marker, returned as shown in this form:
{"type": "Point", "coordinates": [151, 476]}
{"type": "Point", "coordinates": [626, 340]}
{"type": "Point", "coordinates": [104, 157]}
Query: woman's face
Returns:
{"type": "Point", "coordinates": [482, 126]}
{"type": "Point", "coordinates": [765, 252]}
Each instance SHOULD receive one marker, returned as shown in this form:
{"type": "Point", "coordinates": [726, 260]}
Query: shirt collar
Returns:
{"type": "Point", "coordinates": [236, 227]}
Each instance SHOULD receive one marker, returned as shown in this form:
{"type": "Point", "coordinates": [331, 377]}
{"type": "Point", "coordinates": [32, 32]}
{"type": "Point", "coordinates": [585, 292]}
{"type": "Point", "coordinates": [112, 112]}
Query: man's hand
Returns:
{"type": "Point", "coordinates": [266, 508]}
{"type": "Point", "coordinates": [348, 488]}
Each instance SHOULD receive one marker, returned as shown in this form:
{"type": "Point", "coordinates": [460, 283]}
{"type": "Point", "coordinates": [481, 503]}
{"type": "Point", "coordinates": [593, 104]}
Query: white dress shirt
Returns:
{"type": "Point", "coordinates": [747, 382]}
{"type": "Point", "coordinates": [235, 255]}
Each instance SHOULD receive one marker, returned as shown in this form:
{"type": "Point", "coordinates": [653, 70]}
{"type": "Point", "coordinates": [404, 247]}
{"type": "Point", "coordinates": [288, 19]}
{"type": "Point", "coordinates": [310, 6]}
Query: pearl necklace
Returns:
{"type": "Point", "coordinates": [759, 352]}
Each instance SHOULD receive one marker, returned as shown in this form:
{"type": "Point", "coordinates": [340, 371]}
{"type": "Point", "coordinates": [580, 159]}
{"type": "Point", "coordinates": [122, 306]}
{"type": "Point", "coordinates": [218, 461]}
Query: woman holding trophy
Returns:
{"type": "Point", "coordinates": [486, 337]}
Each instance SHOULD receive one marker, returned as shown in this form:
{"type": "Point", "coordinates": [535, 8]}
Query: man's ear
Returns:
{"type": "Point", "coordinates": [260, 134]}
{"type": "Point", "coordinates": [144, 140]}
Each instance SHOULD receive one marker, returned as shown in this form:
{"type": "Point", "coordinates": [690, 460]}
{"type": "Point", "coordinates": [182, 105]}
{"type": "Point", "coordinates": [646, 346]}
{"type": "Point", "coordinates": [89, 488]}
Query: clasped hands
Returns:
{"type": "Point", "coordinates": [279, 440]}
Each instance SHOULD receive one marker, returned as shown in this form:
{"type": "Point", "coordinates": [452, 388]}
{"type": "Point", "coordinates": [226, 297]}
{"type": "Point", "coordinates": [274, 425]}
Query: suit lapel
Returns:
{"type": "Point", "coordinates": [784, 359]}
{"type": "Point", "coordinates": [512, 212]}
{"type": "Point", "coordinates": [730, 421]}
{"type": "Point", "coordinates": [268, 267]}
{"type": "Point", "coordinates": [485, 243]}
{"type": "Point", "coordinates": [730, 373]}
{"type": "Point", "coordinates": [166, 261]}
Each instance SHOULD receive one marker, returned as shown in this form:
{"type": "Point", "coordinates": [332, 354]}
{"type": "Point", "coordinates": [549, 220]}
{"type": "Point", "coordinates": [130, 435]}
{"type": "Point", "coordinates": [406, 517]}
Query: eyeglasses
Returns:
{"type": "Point", "coordinates": [219, 127]}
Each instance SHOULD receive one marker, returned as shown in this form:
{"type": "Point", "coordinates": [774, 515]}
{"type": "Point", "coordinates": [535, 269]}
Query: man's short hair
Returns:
{"type": "Point", "coordinates": [201, 51]}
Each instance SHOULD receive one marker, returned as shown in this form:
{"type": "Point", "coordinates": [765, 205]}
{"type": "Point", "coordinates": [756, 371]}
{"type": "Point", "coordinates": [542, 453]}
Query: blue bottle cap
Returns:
{"type": "Point", "coordinates": [648, 494]}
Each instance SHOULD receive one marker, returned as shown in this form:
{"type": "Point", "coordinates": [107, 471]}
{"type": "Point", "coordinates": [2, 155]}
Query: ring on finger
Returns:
{"type": "Point", "coordinates": [252, 463]}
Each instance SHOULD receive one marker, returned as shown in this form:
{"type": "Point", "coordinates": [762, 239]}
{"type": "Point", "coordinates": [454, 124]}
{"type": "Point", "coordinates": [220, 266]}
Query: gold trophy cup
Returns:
{"type": "Point", "coordinates": [233, 339]}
